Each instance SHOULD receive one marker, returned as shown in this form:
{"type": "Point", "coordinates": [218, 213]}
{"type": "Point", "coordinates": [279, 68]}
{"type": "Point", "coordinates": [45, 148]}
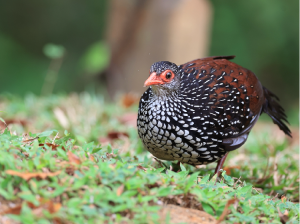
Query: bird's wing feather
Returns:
{"type": "Point", "coordinates": [229, 95]}
{"type": "Point", "coordinates": [198, 62]}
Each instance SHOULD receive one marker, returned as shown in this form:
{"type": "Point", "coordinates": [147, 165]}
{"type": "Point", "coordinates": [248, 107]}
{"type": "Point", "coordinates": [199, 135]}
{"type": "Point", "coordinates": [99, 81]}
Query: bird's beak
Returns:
{"type": "Point", "coordinates": [153, 79]}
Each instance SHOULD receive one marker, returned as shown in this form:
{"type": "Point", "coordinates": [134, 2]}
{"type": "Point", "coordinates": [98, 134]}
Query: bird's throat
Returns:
{"type": "Point", "coordinates": [163, 93]}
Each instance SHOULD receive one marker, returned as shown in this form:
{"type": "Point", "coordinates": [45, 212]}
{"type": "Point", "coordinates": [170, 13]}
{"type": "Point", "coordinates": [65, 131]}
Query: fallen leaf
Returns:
{"type": "Point", "coordinates": [45, 204]}
{"type": "Point", "coordinates": [15, 210]}
{"type": "Point", "coordinates": [129, 99]}
{"type": "Point", "coordinates": [6, 122]}
{"type": "Point", "coordinates": [229, 168]}
{"type": "Point", "coordinates": [139, 167]}
{"type": "Point", "coordinates": [27, 176]}
{"type": "Point", "coordinates": [53, 146]}
{"type": "Point", "coordinates": [92, 158]}
{"type": "Point", "coordinates": [225, 211]}
{"type": "Point", "coordinates": [116, 135]}
{"type": "Point", "coordinates": [283, 217]}
{"type": "Point", "coordinates": [120, 190]}
{"type": "Point", "coordinates": [113, 135]}
{"type": "Point", "coordinates": [16, 121]}
{"type": "Point", "coordinates": [73, 158]}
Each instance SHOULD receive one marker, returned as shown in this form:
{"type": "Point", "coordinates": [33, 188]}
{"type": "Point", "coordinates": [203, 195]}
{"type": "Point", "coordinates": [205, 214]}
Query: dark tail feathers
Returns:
{"type": "Point", "coordinates": [275, 111]}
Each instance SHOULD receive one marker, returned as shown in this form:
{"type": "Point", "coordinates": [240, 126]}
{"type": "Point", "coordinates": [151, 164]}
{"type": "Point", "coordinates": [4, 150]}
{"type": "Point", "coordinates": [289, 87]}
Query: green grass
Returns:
{"type": "Point", "coordinates": [120, 181]}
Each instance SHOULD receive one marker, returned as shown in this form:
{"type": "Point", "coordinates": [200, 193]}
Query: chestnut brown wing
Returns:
{"type": "Point", "coordinates": [229, 96]}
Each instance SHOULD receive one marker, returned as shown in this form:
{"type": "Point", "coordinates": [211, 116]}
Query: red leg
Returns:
{"type": "Point", "coordinates": [220, 164]}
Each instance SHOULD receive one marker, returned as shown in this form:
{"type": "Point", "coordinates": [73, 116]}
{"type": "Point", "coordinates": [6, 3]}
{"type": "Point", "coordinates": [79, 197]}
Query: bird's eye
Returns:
{"type": "Point", "coordinates": [168, 75]}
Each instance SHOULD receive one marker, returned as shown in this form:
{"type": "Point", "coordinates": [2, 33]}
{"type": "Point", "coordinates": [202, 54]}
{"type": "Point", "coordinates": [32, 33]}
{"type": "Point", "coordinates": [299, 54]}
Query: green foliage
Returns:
{"type": "Point", "coordinates": [115, 183]}
{"type": "Point", "coordinates": [75, 26]}
{"type": "Point", "coordinates": [93, 193]}
{"type": "Point", "coordinates": [53, 51]}
{"type": "Point", "coordinates": [96, 58]}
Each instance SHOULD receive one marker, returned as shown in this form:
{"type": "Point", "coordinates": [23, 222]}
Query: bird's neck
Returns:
{"type": "Point", "coordinates": [164, 94]}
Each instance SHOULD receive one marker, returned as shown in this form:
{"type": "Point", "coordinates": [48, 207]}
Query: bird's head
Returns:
{"type": "Point", "coordinates": [164, 77]}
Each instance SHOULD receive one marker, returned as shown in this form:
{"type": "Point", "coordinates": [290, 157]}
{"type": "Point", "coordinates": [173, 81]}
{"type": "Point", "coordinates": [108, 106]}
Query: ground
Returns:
{"type": "Point", "coordinates": [78, 159]}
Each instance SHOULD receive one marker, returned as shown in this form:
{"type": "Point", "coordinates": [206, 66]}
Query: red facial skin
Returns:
{"type": "Point", "coordinates": [161, 79]}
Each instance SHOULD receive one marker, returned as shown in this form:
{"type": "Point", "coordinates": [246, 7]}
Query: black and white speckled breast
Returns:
{"type": "Point", "coordinates": [167, 129]}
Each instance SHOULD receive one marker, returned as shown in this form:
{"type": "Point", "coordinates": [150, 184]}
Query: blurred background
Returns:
{"type": "Point", "coordinates": [107, 47]}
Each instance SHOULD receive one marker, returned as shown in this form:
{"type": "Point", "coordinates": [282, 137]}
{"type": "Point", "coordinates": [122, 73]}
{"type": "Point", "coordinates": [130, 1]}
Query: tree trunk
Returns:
{"type": "Point", "coordinates": [141, 32]}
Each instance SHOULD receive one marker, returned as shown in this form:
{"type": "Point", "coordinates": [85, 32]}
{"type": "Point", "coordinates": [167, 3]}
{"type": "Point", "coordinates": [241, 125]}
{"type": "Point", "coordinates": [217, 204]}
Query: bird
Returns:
{"type": "Point", "coordinates": [198, 112]}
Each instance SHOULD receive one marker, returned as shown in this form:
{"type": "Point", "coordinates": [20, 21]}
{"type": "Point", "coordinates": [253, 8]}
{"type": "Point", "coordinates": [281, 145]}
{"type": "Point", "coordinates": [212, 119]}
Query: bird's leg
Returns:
{"type": "Point", "coordinates": [161, 163]}
{"type": "Point", "coordinates": [220, 164]}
